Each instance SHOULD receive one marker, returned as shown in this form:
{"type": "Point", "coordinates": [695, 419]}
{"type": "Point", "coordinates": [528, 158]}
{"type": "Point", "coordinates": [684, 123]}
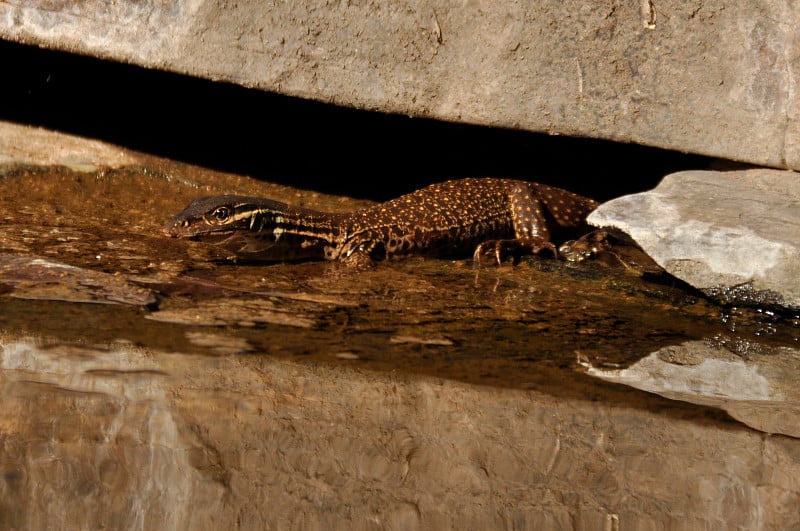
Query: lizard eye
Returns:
{"type": "Point", "coordinates": [221, 214]}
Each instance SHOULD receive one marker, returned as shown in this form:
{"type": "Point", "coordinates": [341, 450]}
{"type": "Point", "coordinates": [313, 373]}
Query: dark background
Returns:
{"type": "Point", "coordinates": [306, 144]}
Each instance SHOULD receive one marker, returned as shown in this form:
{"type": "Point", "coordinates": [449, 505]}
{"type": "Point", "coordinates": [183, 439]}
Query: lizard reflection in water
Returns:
{"type": "Point", "coordinates": [482, 216]}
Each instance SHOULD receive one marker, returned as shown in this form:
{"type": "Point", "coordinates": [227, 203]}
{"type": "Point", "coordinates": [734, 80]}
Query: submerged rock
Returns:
{"type": "Point", "coordinates": [31, 277]}
{"type": "Point", "coordinates": [734, 235]}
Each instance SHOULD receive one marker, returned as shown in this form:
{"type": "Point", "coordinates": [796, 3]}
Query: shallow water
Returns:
{"type": "Point", "coordinates": [145, 376]}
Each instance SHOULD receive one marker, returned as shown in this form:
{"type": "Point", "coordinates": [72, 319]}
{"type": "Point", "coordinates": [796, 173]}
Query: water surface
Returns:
{"type": "Point", "coordinates": [150, 382]}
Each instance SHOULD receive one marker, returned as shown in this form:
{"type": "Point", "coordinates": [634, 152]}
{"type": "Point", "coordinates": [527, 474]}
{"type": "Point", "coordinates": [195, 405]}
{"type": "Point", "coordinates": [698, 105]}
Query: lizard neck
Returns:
{"type": "Point", "coordinates": [291, 233]}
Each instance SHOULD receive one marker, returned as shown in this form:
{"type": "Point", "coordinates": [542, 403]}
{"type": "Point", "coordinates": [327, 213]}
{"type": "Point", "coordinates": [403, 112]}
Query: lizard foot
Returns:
{"type": "Point", "coordinates": [358, 261]}
{"type": "Point", "coordinates": [587, 246]}
{"type": "Point", "coordinates": [502, 249]}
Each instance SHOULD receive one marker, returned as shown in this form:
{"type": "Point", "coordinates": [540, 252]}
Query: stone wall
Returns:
{"type": "Point", "coordinates": [708, 77]}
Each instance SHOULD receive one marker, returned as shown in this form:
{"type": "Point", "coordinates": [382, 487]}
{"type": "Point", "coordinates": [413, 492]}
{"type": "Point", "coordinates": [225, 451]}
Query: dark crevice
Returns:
{"type": "Point", "coordinates": [306, 144]}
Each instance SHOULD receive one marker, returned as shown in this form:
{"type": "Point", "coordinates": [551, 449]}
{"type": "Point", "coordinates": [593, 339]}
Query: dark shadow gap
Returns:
{"type": "Point", "coordinates": [306, 144]}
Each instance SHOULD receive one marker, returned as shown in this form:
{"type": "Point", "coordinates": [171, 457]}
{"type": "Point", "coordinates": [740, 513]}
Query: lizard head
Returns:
{"type": "Point", "coordinates": [215, 218]}
{"type": "Point", "coordinates": [253, 227]}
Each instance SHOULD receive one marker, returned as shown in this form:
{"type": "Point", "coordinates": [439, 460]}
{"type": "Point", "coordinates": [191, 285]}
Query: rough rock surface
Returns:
{"type": "Point", "coordinates": [709, 77]}
{"type": "Point", "coordinates": [21, 144]}
{"type": "Point", "coordinates": [734, 235]}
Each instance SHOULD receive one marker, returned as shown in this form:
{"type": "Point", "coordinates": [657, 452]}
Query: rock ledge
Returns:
{"type": "Point", "coordinates": [734, 235]}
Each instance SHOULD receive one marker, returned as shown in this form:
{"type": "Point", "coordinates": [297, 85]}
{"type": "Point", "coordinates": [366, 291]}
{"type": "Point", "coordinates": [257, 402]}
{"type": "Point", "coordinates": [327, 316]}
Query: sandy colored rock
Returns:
{"type": "Point", "coordinates": [21, 144]}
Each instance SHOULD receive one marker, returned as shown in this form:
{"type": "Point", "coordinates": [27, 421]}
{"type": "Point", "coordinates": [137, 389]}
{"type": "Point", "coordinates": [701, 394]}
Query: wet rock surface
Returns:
{"type": "Point", "coordinates": [37, 278]}
{"type": "Point", "coordinates": [735, 235]}
{"type": "Point", "coordinates": [421, 393]}
{"type": "Point", "coordinates": [146, 438]}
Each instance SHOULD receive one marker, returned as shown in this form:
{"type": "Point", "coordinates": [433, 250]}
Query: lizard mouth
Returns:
{"type": "Point", "coordinates": [233, 241]}
{"type": "Point", "coordinates": [230, 240]}
{"type": "Point", "coordinates": [253, 247]}
{"type": "Point", "coordinates": [218, 237]}
{"type": "Point", "coordinates": [192, 233]}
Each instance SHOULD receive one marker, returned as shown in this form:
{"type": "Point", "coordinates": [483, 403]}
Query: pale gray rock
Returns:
{"type": "Point", "coordinates": [734, 235]}
{"type": "Point", "coordinates": [710, 77]}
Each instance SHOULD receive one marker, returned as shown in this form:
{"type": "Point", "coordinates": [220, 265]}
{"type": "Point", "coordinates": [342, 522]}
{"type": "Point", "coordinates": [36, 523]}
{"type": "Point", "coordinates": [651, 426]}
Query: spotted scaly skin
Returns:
{"type": "Point", "coordinates": [482, 216]}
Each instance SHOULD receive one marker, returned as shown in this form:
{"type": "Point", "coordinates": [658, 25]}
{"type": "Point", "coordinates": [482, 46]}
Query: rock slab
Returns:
{"type": "Point", "coordinates": [734, 235]}
{"type": "Point", "coordinates": [711, 77]}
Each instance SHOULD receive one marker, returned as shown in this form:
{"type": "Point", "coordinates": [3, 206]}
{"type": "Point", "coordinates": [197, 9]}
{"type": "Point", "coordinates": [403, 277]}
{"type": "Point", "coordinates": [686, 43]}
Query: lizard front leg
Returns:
{"type": "Point", "coordinates": [531, 234]}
